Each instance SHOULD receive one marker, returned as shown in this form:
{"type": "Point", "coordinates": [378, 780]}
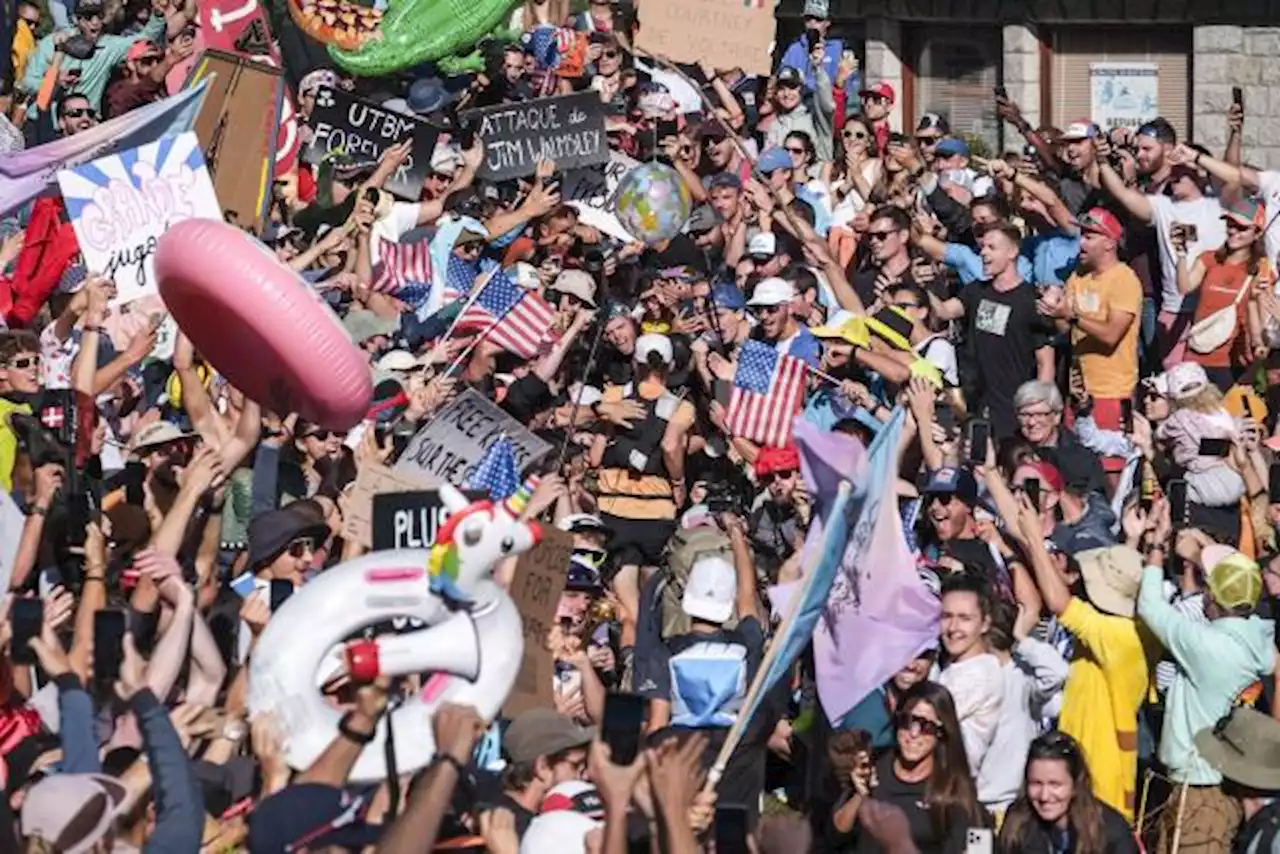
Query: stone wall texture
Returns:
{"type": "Point", "coordinates": [1248, 57]}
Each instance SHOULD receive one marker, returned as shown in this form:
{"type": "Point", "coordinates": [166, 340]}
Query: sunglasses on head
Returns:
{"type": "Point", "coordinates": [920, 725]}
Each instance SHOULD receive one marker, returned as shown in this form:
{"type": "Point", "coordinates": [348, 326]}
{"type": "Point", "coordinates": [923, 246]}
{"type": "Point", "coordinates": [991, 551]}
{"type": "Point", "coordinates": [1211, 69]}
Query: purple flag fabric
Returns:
{"type": "Point", "coordinates": [880, 614]}
{"type": "Point", "coordinates": [25, 174]}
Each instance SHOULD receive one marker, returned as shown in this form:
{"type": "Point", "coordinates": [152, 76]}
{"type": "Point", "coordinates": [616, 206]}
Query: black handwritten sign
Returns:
{"type": "Point", "coordinates": [568, 129]}
{"type": "Point", "coordinates": [449, 445]}
{"type": "Point", "coordinates": [342, 122]}
{"type": "Point", "coordinates": [410, 520]}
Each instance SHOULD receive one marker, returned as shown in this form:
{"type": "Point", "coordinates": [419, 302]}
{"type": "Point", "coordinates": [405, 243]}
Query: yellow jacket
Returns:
{"type": "Point", "coordinates": [9, 440]}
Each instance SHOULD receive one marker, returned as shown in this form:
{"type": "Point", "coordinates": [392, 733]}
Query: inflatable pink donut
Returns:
{"type": "Point", "coordinates": [260, 325]}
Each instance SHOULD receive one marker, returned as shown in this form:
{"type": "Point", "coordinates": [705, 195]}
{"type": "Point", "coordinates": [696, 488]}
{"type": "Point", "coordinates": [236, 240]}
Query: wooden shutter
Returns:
{"type": "Point", "coordinates": [955, 73]}
{"type": "Point", "coordinates": [1074, 48]}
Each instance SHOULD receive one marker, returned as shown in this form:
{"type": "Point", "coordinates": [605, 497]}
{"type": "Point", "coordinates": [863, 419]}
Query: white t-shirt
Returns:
{"type": "Point", "coordinates": [852, 203]}
{"type": "Point", "coordinates": [1206, 215]}
{"type": "Point", "coordinates": [941, 353]}
{"type": "Point", "coordinates": [977, 686]}
{"type": "Point", "coordinates": [1269, 189]}
{"type": "Point", "coordinates": [402, 219]}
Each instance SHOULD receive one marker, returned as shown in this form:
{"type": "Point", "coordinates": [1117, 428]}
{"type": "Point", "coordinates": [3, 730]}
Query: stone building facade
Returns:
{"type": "Point", "coordinates": [1050, 55]}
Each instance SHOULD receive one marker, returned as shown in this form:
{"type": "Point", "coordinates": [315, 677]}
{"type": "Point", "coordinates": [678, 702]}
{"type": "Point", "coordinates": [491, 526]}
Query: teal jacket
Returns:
{"type": "Point", "coordinates": [95, 72]}
{"type": "Point", "coordinates": [1217, 661]}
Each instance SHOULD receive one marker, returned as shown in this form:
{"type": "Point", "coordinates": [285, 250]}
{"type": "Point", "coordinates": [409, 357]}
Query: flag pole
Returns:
{"type": "Point", "coordinates": [471, 298]}
{"type": "Point", "coordinates": [775, 647]}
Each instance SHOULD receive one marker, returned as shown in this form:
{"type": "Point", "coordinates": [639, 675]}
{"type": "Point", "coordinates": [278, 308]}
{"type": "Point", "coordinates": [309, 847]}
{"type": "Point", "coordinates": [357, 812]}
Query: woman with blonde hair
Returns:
{"type": "Point", "coordinates": [1197, 413]}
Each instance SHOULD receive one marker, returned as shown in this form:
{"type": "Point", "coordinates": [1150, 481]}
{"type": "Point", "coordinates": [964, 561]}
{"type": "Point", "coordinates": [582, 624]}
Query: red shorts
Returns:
{"type": "Point", "coordinates": [1106, 415]}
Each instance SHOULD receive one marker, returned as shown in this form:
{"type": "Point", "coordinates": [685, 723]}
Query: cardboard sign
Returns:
{"type": "Point", "coordinates": [536, 588]}
{"type": "Point", "coordinates": [373, 480]}
{"type": "Point", "coordinates": [568, 129]}
{"type": "Point", "coordinates": [120, 204]}
{"type": "Point", "coordinates": [342, 122]}
{"type": "Point", "coordinates": [450, 445]}
{"type": "Point", "coordinates": [724, 34]}
{"type": "Point", "coordinates": [237, 129]}
{"type": "Point", "coordinates": [591, 191]}
{"type": "Point", "coordinates": [241, 27]}
{"type": "Point", "coordinates": [410, 520]}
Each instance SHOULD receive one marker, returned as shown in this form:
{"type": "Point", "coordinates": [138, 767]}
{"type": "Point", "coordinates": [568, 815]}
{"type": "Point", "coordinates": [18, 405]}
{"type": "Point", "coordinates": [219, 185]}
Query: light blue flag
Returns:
{"type": "Point", "coordinates": [26, 174]}
{"type": "Point", "coordinates": [858, 505]}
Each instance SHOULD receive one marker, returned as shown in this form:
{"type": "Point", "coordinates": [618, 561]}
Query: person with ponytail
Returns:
{"type": "Point", "coordinates": [1057, 812]}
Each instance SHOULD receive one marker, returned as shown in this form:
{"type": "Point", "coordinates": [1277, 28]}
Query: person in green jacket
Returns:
{"type": "Point", "coordinates": [1221, 655]}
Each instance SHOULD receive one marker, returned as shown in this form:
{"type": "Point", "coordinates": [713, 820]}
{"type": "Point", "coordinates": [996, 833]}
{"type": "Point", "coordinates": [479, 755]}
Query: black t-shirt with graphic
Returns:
{"type": "Point", "coordinates": [1003, 332]}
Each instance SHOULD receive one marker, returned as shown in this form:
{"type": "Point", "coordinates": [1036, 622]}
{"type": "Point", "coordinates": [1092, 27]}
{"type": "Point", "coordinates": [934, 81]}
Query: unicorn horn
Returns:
{"type": "Point", "coordinates": [520, 498]}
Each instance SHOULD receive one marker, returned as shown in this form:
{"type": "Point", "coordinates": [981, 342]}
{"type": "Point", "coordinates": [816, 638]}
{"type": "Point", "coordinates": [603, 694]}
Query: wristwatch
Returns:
{"type": "Point", "coordinates": [234, 731]}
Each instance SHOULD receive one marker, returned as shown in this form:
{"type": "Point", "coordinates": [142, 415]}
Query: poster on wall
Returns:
{"type": "Point", "coordinates": [1124, 94]}
{"type": "Point", "coordinates": [119, 206]}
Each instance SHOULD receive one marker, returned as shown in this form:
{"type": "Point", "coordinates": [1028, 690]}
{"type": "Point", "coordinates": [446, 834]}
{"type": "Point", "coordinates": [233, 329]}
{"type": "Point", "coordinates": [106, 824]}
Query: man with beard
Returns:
{"type": "Point", "coordinates": [771, 303]}
{"type": "Point", "coordinates": [104, 51]}
{"type": "Point", "coordinates": [721, 160]}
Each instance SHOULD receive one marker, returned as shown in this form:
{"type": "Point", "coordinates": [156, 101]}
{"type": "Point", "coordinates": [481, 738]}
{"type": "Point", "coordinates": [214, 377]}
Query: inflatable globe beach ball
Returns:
{"type": "Point", "coordinates": [652, 203]}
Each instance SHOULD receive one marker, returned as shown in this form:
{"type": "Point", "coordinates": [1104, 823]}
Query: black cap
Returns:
{"type": "Point", "coordinates": [933, 122]}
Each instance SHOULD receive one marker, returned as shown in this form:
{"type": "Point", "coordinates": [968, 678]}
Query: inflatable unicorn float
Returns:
{"type": "Point", "coordinates": [470, 649]}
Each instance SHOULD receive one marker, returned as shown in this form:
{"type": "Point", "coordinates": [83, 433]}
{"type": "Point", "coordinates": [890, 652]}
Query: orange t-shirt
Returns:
{"type": "Point", "coordinates": [1221, 284]}
{"type": "Point", "coordinates": [1111, 373]}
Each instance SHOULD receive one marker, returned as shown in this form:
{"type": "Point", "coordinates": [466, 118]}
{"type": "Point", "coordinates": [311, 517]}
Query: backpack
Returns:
{"type": "Point", "coordinates": [685, 547]}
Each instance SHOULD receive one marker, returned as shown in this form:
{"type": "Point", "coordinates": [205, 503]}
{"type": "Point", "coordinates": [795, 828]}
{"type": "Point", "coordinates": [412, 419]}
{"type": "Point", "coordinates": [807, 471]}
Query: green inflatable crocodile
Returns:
{"type": "Point", "coordinates": [417, 31]}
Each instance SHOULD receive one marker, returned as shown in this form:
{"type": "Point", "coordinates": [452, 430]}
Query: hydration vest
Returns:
{"type": "Point", "coordinates": [640, 448]}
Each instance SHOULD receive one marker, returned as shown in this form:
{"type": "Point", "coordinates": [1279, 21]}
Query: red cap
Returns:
{"type": "Point", "coordinates": [1104, 222]}
{"type": "Point", "coordinates": [142, 48]}
{"type": "Point", "coordinates": [1048, 474]}
{"type": "Point", "coordinates": [771, 460]}
{"type": "Point", "coordinates": [881, 90]}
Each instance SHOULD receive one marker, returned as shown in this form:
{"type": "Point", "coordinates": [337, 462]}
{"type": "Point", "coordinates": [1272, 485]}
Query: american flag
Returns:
{"type": "Point", "coordinates": [459, 276]}
{"type": "Point", "coordinates": [514, 319]}
{"type": "Point", "coordinates": [768, 390]}
{"type": "Point", "coordinates": [405, 270]}
{"type": "Point", "coordinates": [496, 472]}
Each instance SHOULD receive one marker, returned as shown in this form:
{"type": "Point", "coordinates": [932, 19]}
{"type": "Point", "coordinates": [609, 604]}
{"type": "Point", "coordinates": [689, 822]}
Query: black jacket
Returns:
{"type": "Point", "coordinates": [1118, 837]}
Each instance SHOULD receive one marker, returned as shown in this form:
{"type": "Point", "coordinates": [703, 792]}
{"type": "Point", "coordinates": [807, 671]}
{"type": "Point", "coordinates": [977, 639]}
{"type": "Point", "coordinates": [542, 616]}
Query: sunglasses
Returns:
{"type": "Point", "coordinates": [1234, 225]}
{"type": "Point", "coordinates": [610, 54]}
{"type": "Point", "coordinates": [800, 151]}
{"type": "Point", "coordinates": [928, 140]}
{"type": "Point", "coordinates": [771, 309]}
{"type": "Point", "coordinates": [767, 479]}
{"type": "Point", "coordinates": [301, 546]}
{"type": "Point", "coordinates": [879, 99]}
{"type": "Point", "coordinates": [919, 725]}
{"type": "Point", "coordinates": [149, 59]}
{"type": "Point", "coordinates": [25, 362]}
{"type": "Point", "coordinates": [854, 134]}
{"type": "Point", "coordinates": [78, 112]}
{"type": "Point", "coordinates": [35, 22]}
{"type": "Point", "coordinates": [320, 435]}
{"type": "Point", "coordinates": [881, 235]}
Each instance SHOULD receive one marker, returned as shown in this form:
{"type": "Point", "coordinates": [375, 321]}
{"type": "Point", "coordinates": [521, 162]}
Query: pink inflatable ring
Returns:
{"type": "Point", "coordinates": [260, 325]}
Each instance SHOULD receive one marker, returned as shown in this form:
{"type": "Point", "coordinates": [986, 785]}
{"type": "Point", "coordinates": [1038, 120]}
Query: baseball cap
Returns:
{"type": "Point", "coordinates": [1102, 221]}
{"type": "Point", "coordinates": [772, 291]}
{"type": "Point", "coordinates": [820, 9]}
{"type": "Point", "coordinates": [728, 296]}
{"type": "Point", "coordinates": [953, 146]}
{"type": "Point", "coordinates": [542, 732]}
{"type": "Point", "coordinates": [880, 90]}
{"type": "Point", "coordinates": [56, 808]}
{"type": "Point", "coordinates": [278, 231]}
{"type": "Point", "coordinates": [763, 245]}
{"type": "Point", "coordinates": [845, 326]}
{"type": "Point", "coordinates": [1111, 578]}
{"type": "Point", "coordinates": [1233, 578]}
{"type": "Point", "coordinates": [395, 361]}
{"type": "Point", "coordinates": [931, 122]}
{"type": "Point", "coordinates": [773, 159]}
{"type": "Point", "coordinates": [654, 343]}
{"type": "Point", "coordinates": [577, 283]}
{"type": "Point", "coordinates": [703, 219]}
{"type": "Point", "coordinates": [582, 575]}
{"type": "Point", "coordinates": [363, 325]}
{"type": "Point", "coordinates": [1186, 379]}
{"type": "Point", "coordinates": [1078, 130]}
{"type": "Point", "coordinates": [581, 394]}
{"type": "Point", "coordinates": [1246, 210]}
{"type": "Point", "coordinates": [300, 810]}
{"type": "Point", "coordinates": [790, 77]}
{"type": "Point", "coordinates": [771, 460]}
{"type": "Point", "coordinates": [711, 589]}
{"type": "Point", "coordinates": [141, 48]}
{"type": "Point", "coordinates": [583, 522]}
{"type": "Point", "coordinates": [1159, 129]}
{"type": "Point", "coordinates": [1047, 473]}
{"type": "Point", "coordinates": [157, 433]}
{"type": "Point", "coordinates": [446, 160]}
{"type": "Point", "coordinates": [953, 480]}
